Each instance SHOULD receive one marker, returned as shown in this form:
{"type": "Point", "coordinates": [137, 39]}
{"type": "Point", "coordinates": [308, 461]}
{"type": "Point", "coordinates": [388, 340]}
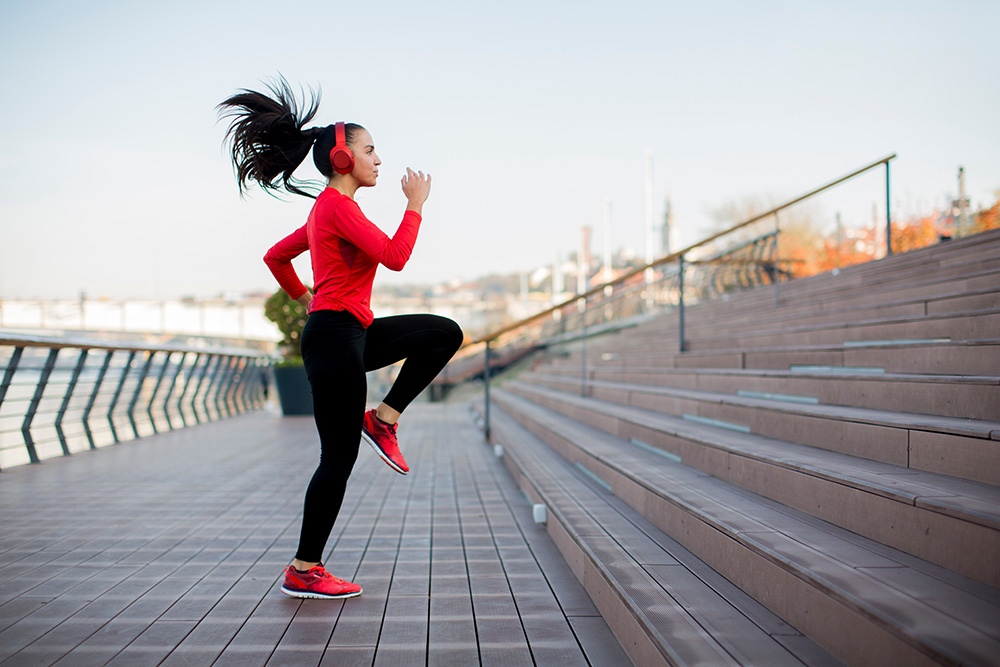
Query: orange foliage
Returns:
{"type": "Point", "coordinates": [913, 234]}
{"type": "Point", "coordinates": [988, 218]}
{"type": "Point", "coordinates": [805, 252]}
{"type": "Point", "coordinates": [815, 253]}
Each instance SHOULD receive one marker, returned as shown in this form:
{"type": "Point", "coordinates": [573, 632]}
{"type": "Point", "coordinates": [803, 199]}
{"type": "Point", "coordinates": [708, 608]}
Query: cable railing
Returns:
{"type": "Point", "coordinates": [63, 395]}
{"type": "Point", "coordinates": [746, 255]}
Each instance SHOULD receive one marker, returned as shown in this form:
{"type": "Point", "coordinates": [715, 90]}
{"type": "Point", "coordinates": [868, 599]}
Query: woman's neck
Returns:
{"type": "Point", "coordinates": [344, 184]}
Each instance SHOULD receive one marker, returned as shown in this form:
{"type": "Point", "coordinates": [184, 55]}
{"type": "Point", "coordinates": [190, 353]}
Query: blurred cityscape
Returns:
{"type": "Point", "coordinates": [486, 303]}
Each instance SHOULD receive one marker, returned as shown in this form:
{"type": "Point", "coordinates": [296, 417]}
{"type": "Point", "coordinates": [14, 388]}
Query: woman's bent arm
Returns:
{"type": "Point", "coordinates": [279, 261]}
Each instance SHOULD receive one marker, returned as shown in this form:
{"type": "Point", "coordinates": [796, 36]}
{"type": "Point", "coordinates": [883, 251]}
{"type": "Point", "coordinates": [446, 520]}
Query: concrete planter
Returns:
{"type": "Point", "coordinates": [293, 390]}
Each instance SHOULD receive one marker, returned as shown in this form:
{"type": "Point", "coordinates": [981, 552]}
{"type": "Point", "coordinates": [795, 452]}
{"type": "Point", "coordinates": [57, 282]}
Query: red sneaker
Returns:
{"type": "Point", "coordinates": [382, 438]}
{"type": "Point", "coordinates": [317, 583]}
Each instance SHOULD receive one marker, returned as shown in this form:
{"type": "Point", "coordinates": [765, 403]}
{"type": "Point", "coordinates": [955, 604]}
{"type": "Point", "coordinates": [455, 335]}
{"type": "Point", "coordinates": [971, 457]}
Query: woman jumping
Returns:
{"type": "Point", "coordinates": [341, 339]}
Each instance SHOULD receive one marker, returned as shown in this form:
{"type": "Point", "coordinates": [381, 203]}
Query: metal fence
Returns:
{"type": "Point", "coordinates": [63, 395]}
{"type": "Point", "coordinates": [746, 255]}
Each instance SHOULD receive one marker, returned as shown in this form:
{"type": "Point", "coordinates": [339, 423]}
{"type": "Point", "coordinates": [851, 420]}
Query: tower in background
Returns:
{"type": "Point", "coordinates": [667, 243]}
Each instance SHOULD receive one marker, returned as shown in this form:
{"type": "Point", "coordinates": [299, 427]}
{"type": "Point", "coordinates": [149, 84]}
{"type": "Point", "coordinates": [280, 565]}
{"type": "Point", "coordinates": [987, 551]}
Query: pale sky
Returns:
{"type": "Point", "coordinates": [528, 115]}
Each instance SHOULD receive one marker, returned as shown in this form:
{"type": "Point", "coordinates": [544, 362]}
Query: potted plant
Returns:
{"type": "Point", "coordinates": [289, 373]}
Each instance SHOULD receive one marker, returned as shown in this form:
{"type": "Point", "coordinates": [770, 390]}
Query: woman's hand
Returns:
{"type": "Point", "coordinates": [306, 300]}
{"type": "Point", "coordinates": [417, 188]}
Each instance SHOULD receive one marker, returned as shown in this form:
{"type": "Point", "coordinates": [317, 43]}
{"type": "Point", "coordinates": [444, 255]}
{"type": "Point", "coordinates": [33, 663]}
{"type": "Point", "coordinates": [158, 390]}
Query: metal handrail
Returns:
{"type": "Point", "coordinates": [676, 255]}
{"type": "Point", "coordinates": [679, 257]}
{"type": "Point", "coordinates": [149, 388]}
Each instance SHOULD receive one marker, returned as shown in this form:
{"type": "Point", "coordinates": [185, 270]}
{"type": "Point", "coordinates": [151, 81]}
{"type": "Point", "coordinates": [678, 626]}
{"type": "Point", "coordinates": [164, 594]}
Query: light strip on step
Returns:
{"type": "Point", "coordinates": [655, 450]}
{"type": "Point", "coordinates": [708, 421]}
{"type": "Point", "coordinates": [790, 398]}
{"type": "Point", "coordinates": [838, 370]}
{"type": "Point", "coordinates": [901, 341]}
{"type": "Point", "coordinates": [593, 477]}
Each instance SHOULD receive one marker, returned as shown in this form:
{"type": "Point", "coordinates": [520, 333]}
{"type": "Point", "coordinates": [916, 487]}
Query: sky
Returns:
{"type": "Point", "coordinates": [529, 116]}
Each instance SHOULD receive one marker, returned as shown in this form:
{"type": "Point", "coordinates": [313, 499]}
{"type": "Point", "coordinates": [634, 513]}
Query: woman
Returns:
{"type": "Point", "coordinates": [341, 339]}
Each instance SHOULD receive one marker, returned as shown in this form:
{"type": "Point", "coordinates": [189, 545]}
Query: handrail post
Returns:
{"type": "Point", "coordinates": [222, 390]}
{"type": "Point", "coordinates": [212, 386]}
{"type": "Point", "coordinates": [93, 397]}
{"type": "Point", "coordinates": [8, 375]}
{"type": "Point", "coordinates": [43, 381]}
{"type": "Point", "coordinates": [191, 372]}
{"type": "Point", "coordinates": [680, 300]}
{"type": "Point", "coordinates": [777, 258]}
{"type": "Point", "coordinates": [170, 389]}
{"type": "Point", "coordinates": [138, 392]}
{"type": "Point", "coordinates": [888, 218]}
{"type": "Point", "coordinates": [486, 381]}
{"type": "Point", "coordinates": [156, 388]}
{"type": "Point", "coordinates": [583, 351]}
{"type": "Point", "coordinates": [81, 361]}
{"type": "Point", "coordinates": [117, 395]}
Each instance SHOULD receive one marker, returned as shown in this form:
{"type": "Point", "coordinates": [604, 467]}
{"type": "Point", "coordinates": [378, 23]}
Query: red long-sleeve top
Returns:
{"type": "Point", "coordinates": [346, 249]}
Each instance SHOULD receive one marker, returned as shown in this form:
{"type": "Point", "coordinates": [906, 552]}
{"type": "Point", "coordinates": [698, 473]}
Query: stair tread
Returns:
{"type": "Point", "coordinates": [972, 501]}
{"type": "Point", "coordinates": [980, 428]}
{"type": "Point", "coordinates": [854, 573]}
{"type": "Point", "coordinates": [663, 580]}
{"type": "Point", "coordinates": [989, 380]}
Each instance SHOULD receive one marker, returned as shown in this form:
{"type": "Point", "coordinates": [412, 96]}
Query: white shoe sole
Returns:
{"type": "Point", "coordinates": [317, 596]}
{"type": "Point", "coordinates": [381, 455]}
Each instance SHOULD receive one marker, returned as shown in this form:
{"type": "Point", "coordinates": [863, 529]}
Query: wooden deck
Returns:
{"type": "Point", "coordinates": [169, 550]}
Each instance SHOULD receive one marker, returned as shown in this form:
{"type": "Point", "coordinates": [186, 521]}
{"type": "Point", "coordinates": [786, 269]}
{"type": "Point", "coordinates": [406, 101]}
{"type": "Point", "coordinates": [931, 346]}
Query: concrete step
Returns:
{"type": "Point", "coordinates": [864, 602]}
{"type": "Point", "coordinates": [918, 512]}
{"type": "Point", "coordinates": [884, 280]}
{"type": "Point", "coordinates": [838, 293]}
{"type": "Point", "coordinates": [974, 325]}
{"type": "Point", "coordinates": [928, 357]}
{"type": "Point", "coordinates": [964, 448]}
{"type": "Point", "coordinates": [909, 321]}
{"type": "Point", "coordinates": [963, 396]}
{"type": "Point", "coordinates": [664, 605]}
{"type": "Point", "coordinates": [841, 312]}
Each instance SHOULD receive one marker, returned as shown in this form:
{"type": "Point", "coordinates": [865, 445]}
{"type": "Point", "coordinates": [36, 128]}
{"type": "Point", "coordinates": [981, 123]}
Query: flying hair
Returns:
{"type": "Point", "coordinates": [266, 139]}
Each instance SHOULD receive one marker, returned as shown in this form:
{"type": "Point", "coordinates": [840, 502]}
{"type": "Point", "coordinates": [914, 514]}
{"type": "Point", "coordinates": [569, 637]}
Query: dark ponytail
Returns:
{"type": "Point", "coordinates": [267, 139]}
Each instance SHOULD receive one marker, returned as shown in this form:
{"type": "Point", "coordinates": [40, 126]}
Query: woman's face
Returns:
{"type": "Point", "coordinates": [366, 161]}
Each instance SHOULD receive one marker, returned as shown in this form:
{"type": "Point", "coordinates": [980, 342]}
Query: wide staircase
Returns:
{"type": "Point", "coordinates": [813, 479]}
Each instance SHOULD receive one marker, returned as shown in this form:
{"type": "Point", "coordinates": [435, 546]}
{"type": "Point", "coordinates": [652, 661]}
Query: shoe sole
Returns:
{"type": "Point", "coordinates": [310, 595]}
{"type": "Point", "coordinates": [378, 450]}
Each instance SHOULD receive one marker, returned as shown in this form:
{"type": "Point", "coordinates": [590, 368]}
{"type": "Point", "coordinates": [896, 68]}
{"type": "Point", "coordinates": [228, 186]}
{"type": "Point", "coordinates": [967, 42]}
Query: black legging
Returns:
{"type": "Point", "coordinates": [337, 352]}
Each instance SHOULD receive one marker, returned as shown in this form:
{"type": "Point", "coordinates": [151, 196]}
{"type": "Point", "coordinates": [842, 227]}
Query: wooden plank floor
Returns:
{"type": "Point", "coordinates": [169, 550]}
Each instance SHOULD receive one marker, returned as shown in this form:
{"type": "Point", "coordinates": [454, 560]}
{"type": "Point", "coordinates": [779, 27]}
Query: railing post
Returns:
{"type": "Point", "coordinates": [93, 397]}
{"type": "Point", "coordinates": [187, 385]}
{"type": "Point", "coordinates": [250, 380]}
{"type": "Point", "coordinates": [583, 353]}
{"type": "Point", "coordinates": [170, 390]}
{"type": "Point", "coordinates": [197, 386]}
{"type": "Point", "coordinates": [235, 386]}
{"type": "Point", "coordinates": [43, 380]}
{"type": "Point", "coordinates": [680, 301]}
{"type": "Point", "coordinates": [222, 390]}
{"type": "Point", "coordinates": [213, 386]}
{"type": "Point", "coordinates": [138, 390]}
{"type": "Point", "coordinates": [777, 258]}
{"type": "Point", "coordinates": [118, 393]}
{"type": "Point", "coordinates": [156, 389]}
{"type": "Point", "coordinates": [888, 217]}
{"type": "Point", "coordinates": [486, 381]}
{"type": "Point", "coordinates": [9, 373]}
{"type": "Point", "coordinates": [77, 370]}
{"type": "Point", "coordinates": [232, 393]}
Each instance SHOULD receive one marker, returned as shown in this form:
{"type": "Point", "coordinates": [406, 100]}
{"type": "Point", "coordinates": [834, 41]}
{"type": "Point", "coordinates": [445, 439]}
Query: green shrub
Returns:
{"type": "Point", "coordinates": [290, 316]}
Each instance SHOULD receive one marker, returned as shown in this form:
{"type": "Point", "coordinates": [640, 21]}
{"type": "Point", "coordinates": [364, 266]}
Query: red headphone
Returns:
{"type": "Point", "coordinates": [341, 157]}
